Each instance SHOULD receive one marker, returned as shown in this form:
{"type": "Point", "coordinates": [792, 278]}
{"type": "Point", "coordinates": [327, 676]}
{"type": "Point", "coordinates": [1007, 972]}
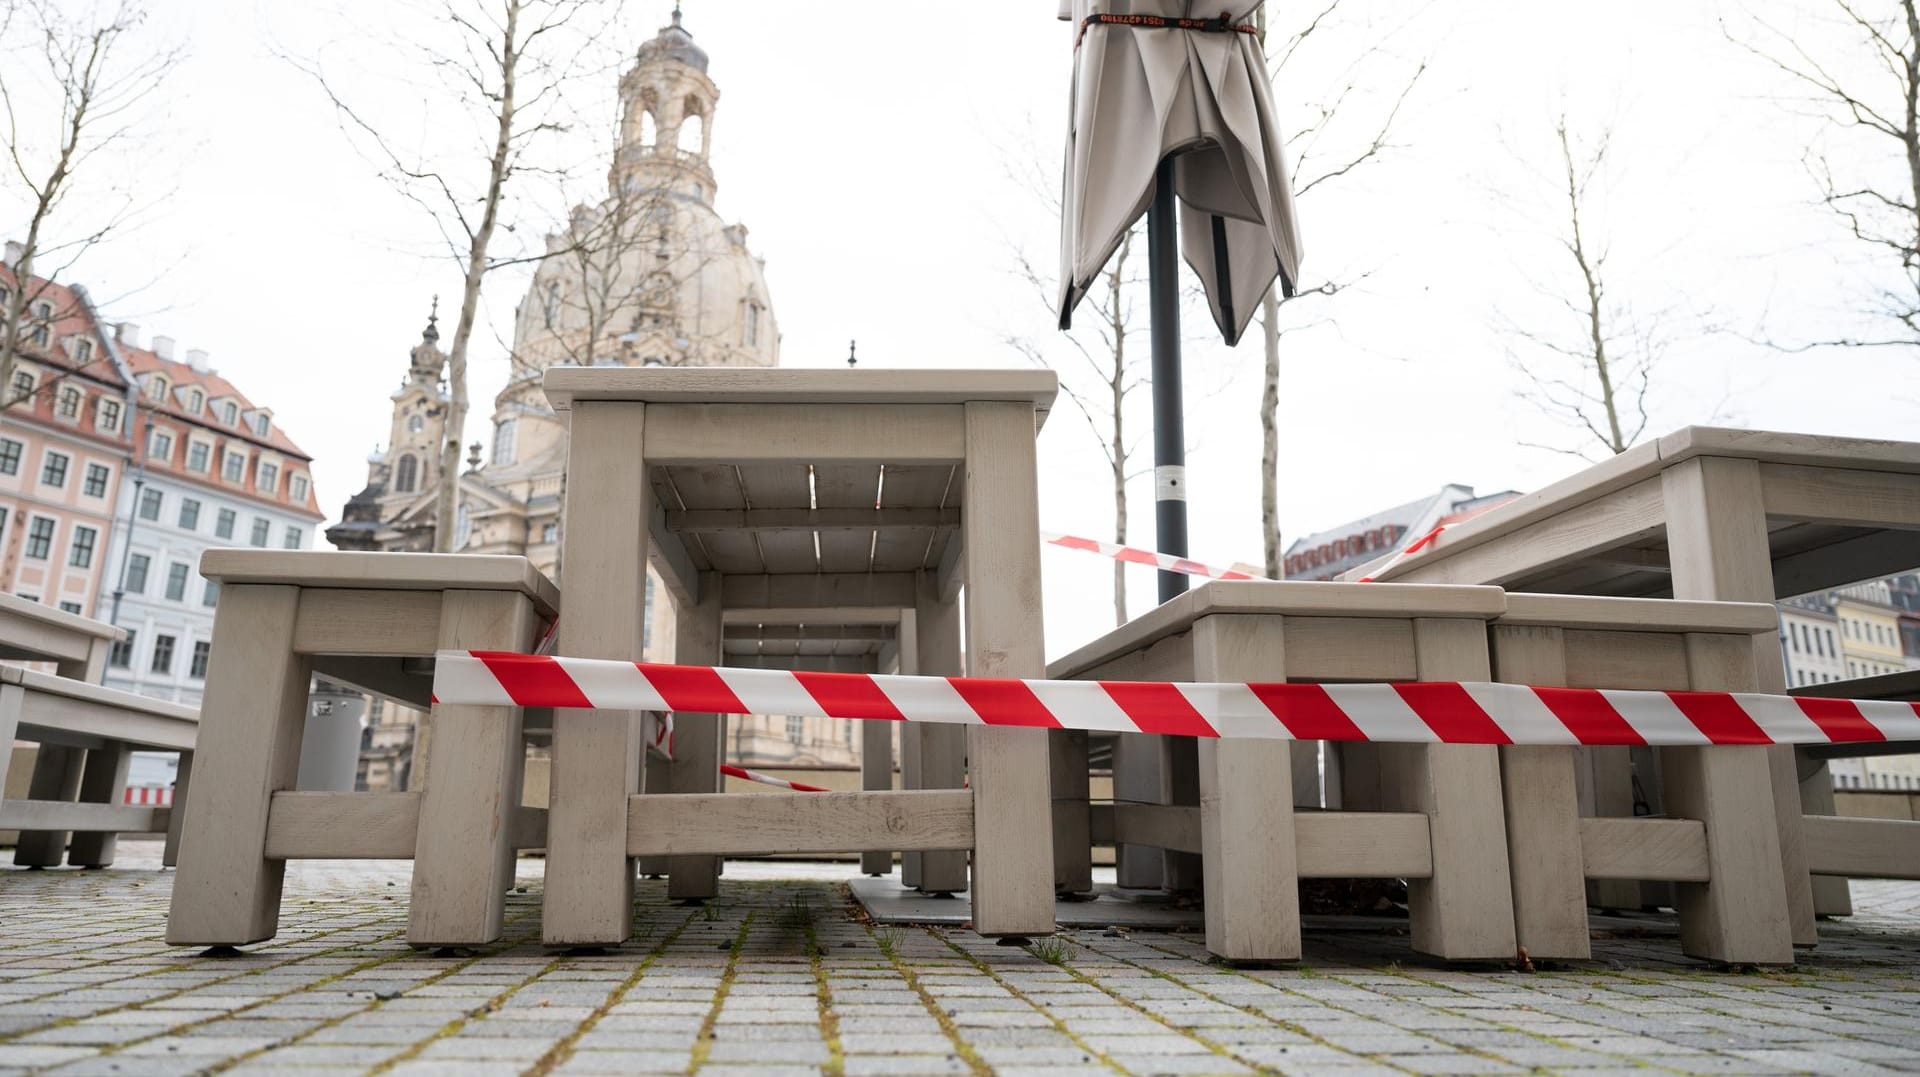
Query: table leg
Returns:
{"type": "Point", "coordinates": [1012, 858]}
{"type": "Point", "coordinates": [1072, 812]}
{"type": "Point", "coordinates": [104, 782]}
{"type": "Point", "coordinates": [596, 754]}
{"type": "Point", "coordinates": [177, 814]}
{"type": "Point", "coordinates": [876, 775]}
{"type": "Point", "coordinates": [252, 716]}
{"type": "Point", "coordinates": [1542, 809]}
{"type": "Point", "coordinates": [698, 739]}
{"type": "Point", "coordinates": [943, 748]}
{"type": "Point", "coordinates": [1832, 895]}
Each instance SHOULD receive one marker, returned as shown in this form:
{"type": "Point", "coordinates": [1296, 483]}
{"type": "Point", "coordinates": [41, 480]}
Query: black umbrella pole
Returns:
{"type": "Point", "coordinates": [1169, 420]}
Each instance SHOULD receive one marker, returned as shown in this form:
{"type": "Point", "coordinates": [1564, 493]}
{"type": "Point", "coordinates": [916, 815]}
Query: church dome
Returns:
{"type": "Point", "coordinates": [674, 43]}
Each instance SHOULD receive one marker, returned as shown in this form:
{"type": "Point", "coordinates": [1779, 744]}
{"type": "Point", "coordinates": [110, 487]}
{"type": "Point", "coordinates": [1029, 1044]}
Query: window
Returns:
{"type": "Point", "coordinates": [753, 324]}
{"type": "Point", "coordinates": [267, 476]}
{"type": "Point", "coordinates": [230, 413]}
{"type": "Point", "coordinates": [462, 527]}
{"type": "Point", "coordinates": [81, 554]}
{"type": "Point", "coordinates": [223, 524]}
{"type": "Point", "coordinates": [197, 668]}
{"type": "Point", "coordinates": [796, 729]}
{"type": "Point", "coordinates": [10, 456]}
{"type": "Point", "coordinates": [210, 597]}
{"type": "Point", "coordinates": [53, 470]}
{"type": "Point", "coordinates": [550, 533]}
{"type": "Point", "coordinates": [156, 388]}
{"type": "Point", "coordinates": [189, 514]}
{"type": "Point", "coordinates": [107, 415]}
{"type": "Point", "coordinates": [150, 504]}
{"type": "Point", "coordinates": [22, 384]}
{"type": "Point", "coordinates": [261, 424]}
{"type": "Point", "coordinates": [70, 398]}
{"type": "Point", "coordinates": [297, 488]}
{"type": "Point", "coordinates": [137, 573]}
{"type": "Point", "coordinates": [176, 582]}
{"type": "Point", "coordinates": [293, 538]}
{"type": "Point", "coordinates": [83, 350]}
{"type": "Point", "coordinates": [416, 424]}
{"type": "Point", "coordinates": [503, 442]}
{"type": "Point", "coordinates": [162, 446]}
{"type": "Point", "coordinates": [260, 529]}
{"type": "Point", "coordinates": [551, 309]}
{"type": "Point", "coordinates": [233, 466]}
{"type": "Point", "coordinates": [404, 475]}
{"type": "Point", "coordinates": [162, 654]}
{"type": "Point", "coordinates": [196, 400]}
{"type": "Point", "coordinates": [199, 456]}
{"type": "Point", "coordinates": [97, 476]}
{"type": "Point", "coordinates": [70, 607]}
{"type": "Point", "coordinates": [43, 316]}
{"type": "Point", "coordinates": [120, 655]}
{"type": "Point", "coordinates": [40, 538]}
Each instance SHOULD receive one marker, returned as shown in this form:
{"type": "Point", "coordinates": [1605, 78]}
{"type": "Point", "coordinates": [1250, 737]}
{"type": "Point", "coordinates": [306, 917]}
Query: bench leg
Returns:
{"type": "Point", "coordinates": [699, 740]}
{"type": "Point", "coordinates": [1072, 814]}
{"type": "Point", "coordinates": [1543, 842]}
{"type": "Point", "coordinates": [876, 775]}
{"type": "Point", "coordinates": [1832, 895]}
{"type": "Point", "coordinates": [943, 748]}
{"type": "Point", "coordinates": [57, 772]}
{"type": "Point", "coordinates": [910, 778]}
{"type": "Point", "coordinates": [1740, 916]}
{"type": "Point", "coordinates": [1139, 777]}
{"type": "Point", "coordinates": [177, 815]}
{"type": "Point", "coordinates": [252, 716]}
{"type": "Point", "coordinates": [655, 777]}
{"type": "Point", "coordinates": [104, 782]}
{"type": "Point", "coordinates": [463, 849]}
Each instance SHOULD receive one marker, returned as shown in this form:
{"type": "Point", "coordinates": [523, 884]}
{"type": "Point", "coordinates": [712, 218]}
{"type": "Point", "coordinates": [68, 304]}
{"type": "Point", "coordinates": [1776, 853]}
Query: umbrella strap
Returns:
{"type": "Point", "coordinates": [1221, 24]}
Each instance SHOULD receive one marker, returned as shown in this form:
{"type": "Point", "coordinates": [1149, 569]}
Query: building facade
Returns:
{"type": "Point", "coordinates": [64, 445]}
{"type": "Point", "coordinates": [210, 468]}
{"type": "Point", "coordinates": [1810, 641]}
{"type": "Point", "coordinates": [652, 275]}
{"type": "Point", "coordinates": [1327, 554]}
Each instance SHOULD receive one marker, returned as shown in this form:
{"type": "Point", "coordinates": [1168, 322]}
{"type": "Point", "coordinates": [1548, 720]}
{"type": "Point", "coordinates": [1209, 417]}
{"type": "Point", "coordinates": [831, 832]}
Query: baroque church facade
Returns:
{"type": "Point", "coordinates": [650, 276]}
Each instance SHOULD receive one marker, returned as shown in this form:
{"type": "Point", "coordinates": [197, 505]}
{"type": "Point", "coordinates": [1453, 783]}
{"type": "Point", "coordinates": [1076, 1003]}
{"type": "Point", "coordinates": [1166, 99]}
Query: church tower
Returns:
{"type": "Point", "coordinates": [406, 471]}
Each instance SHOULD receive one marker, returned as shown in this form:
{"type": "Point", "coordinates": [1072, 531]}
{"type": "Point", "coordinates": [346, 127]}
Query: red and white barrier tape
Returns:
{"type": "Point", "coordinates": [1422, 713]}
{"type": "Point", "coordinates": [1412, 548]}
{"type": "Point", "coordinates": [767, 779]}
{"type": "Point", "coordinates": [1134, 555]}
{"type": "Point", "coordinates": [158, 796]}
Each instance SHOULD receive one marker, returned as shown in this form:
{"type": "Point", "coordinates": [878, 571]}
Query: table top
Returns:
{"type": "Point", "coordinates": [32, 632]}
{"type": "Point", "coordinates": [1285, 599]}
{"type": "Point", "coordinates": [360, 570]}
{"type": "Point", "coordinates": [1807, 551]}
{"type": "Point", "coordinates": [752, 385]}
{"type": "Point", "coordinates": [1638, 614]}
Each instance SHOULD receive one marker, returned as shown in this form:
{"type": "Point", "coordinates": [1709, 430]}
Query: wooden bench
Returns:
{"type": "Point", "coordinates": [87, 736]}
{"type": "Point", "coordinates": [1717, 843]}
{"type": "Point", "coordinates": [1864, 848]}
{"type": "Point", "coordinates": [365, 619]}
{"type": "Point", "coordinates": [1708, 513]}
{"type": "Point", "coordinates": [1434, 812]}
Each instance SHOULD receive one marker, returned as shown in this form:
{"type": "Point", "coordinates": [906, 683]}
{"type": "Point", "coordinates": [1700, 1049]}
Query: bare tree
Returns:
{"type": "Point", "coordinates": [1116, 373]}
{"type": "Point", "coordinates": [1326, 152]}
{"type": "Point", "coordinates": [506, 64]}
{"type": "Point", "coordinates": [1591, 365]}
{"type": "Point", "coordinates": [71, 95]}
{"type": "Point", "coordinates": [1869, 97]}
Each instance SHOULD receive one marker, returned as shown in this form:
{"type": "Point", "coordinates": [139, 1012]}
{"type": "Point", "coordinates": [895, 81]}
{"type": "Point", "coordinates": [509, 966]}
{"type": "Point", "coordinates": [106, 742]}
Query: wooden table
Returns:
{"type": "Point", "coordinates": [776, 497]}
{"type": "Point", "coordinates": [1716, 844]}
{"type": "Point", "coordinates": [1438, 821]}
{"type": "Point", "coordinates": [1707, 513]}
{"type": "Point", "coordinates": [367, 618]}
{"type": "Point", "coordinates": [1864, 848]}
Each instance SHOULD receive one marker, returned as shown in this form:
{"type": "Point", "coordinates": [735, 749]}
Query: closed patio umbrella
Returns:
{"type": "Point", "coordinates": [1170, 79]}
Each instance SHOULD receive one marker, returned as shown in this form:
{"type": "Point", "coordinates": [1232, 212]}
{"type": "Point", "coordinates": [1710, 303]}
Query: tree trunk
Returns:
{"type": "Point", "coordinates": [1270, 435]}
{"type": "Point", "coordinates": [1117, 325]}
{"type": "Point", "coordinates": [449, 493]}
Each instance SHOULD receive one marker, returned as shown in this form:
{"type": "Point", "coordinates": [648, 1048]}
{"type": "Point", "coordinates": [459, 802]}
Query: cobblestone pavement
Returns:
{"type": "Point", "coordinates": [779, 977]}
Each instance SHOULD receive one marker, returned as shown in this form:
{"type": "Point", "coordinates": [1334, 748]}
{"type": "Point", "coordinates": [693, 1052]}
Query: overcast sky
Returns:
{"type": "Point", "coordinates": [874, 151]}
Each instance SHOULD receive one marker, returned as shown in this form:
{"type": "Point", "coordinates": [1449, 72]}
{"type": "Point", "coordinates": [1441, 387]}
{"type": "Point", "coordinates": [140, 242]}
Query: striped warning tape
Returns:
{"type": "Point", "coordinates": [767, 779]}
{"type": "Point", "coordinates": [1427, 712]}
{"type": "Point", "coordinates": [1137, 556]}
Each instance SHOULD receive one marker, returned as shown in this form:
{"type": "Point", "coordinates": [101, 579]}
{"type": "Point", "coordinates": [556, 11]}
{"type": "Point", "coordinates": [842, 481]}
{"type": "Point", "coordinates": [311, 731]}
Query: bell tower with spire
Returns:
{"type": "Point", "coordinates": [666, 127]}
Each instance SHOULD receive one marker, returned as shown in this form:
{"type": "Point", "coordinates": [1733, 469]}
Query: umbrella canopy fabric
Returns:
{"type": "Point", "coordinates": [1142, 94]}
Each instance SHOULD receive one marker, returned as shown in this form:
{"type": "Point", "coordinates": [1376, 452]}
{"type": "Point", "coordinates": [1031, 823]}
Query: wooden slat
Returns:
{"type": "Point", "coordinates": [1640, 614]}
{"type": "Point", "coordinates": [802, 519]}
{"type": "Point", "coordinates": [1649, 661]}
{"type": "Point", "coordinates": [363, 622]}
{"type": "Point", "coordinates": [1542, 806]}
{"type": "Point", "coordinates": [817, 434]}
{"type": "Point", "coordinates": [1350, 649]}
{"type": "Point", "coordinates": [1560, 534]}
{"type": "Point", "coordinates": [325, 569]}
{"type": "Point", "coordinates": [342, 826]}
{"type": "Point", "coordinates": [1809, 449]}
{"type": "Point", "coordinates": [1864, 556]}
{"type": "Point", "coordinates": [1839, 495]}
{"type": "Point", "coordinates": [726, 824]}
{"type": "Point", "coordinates": [97, 714]}
{"type": "Point", "coordinates": [383, 677]}
{"type": "Point", "coordinates": [565, 385]}
{"type": "Point", "coordinates": [63, 815]}
{"type": "Point", "coordinates": [1862, 848]}
{"type": "Point", "coordinates": [1160, 826]}
{"type": "Point", "coordinates": [823, 592]}
{"type": "Point", "coordinates": [1673, 850]}
{"type": "Point", "coordinates": [1362, 845]}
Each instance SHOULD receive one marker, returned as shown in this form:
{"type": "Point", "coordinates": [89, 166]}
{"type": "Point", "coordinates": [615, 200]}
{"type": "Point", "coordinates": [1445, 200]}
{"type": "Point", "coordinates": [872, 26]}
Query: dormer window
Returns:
{"type": "Point", "coordinates": [83, 350]}
{"type": "Point", "coordinates": [230, 413]}
{"type": "Point", "coordinates": [157, 388]}
{"type": "Point", "coordinates": [69, 403]}
{"type": "Point", "coordinates": [43, 317]}
{"type": "Point", "coordinates": [267, 477]}
{"type": "Point", "coordinates": [753, 324]}
{"type": "Point", "coordinates": [107, 415]}
{"type": "Point", "coordinates": [196, 401]}
{"type": "Point", "coordinates": [261, 423]}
